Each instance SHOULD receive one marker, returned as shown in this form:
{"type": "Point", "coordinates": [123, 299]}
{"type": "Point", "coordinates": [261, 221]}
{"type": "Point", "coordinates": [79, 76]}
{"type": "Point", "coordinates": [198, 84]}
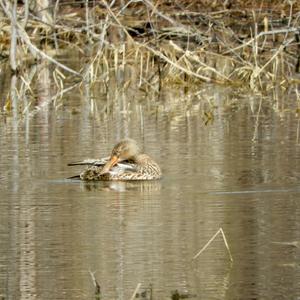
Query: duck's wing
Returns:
{"type": "Point", "coordinates": [94, 167]}
{"type": "Point", "coordinates": [91, 165]}
{"type": "Point", "coordinates": [90, 162]}
{"type": "Point", "coordinates": [123, 167]}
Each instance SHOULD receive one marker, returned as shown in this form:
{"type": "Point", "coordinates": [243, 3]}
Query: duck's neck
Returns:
{"type": "Point", "coordinates": [141, 159]}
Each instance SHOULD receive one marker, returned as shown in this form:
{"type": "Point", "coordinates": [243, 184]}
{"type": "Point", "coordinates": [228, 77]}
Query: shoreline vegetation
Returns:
{"type": "Point", "coordinates": [254, 44]}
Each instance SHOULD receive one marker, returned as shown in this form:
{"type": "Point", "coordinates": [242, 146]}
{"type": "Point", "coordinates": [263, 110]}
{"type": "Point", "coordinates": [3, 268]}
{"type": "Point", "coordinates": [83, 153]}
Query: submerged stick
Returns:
{"type": "Point", "coordinates": [135, 291]}
{"type": "Point", "coordinates": [209, 242]}
{"type": "Point", "coordinates": [96, 285]}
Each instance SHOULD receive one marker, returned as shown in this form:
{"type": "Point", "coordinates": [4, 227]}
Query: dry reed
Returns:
{"type": "Point", "coordinates": [166, 44]}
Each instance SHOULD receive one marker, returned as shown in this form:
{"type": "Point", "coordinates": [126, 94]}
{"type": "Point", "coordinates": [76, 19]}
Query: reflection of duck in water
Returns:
{"type": "Point", "coordinates": [126, 162]}
{"type": "Point", "coordinates": [144, 187]}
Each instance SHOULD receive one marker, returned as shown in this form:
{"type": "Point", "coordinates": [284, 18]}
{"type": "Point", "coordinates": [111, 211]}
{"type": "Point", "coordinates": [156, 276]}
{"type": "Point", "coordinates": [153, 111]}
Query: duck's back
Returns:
{"type": "Point", "coordinates": [142, 168]}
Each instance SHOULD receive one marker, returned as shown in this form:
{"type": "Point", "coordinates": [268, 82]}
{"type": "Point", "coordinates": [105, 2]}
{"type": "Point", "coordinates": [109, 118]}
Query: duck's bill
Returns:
{"type": "Point", "coordinates": [113, 161]}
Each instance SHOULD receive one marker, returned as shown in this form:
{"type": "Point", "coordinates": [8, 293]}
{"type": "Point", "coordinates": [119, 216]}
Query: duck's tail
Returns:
{"type": "Point", "coordinates": [77, 177]}
{"type": "Point", "coordinates": [90, 162]}
{"type": "Point", "coordinates": [81, 163]}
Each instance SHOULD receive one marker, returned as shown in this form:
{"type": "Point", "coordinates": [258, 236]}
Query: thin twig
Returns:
{"type": "Point", "coordinates": [14, 36]}
{"type": "Point", "coordinates": [209, 242]}
{"type": "Point", "coordinates": [195, 58]}
{"type": "Point", "coordinates": [158, 53]}
{"type": "Point", "coordinates": [96, 284]}
{"type": "Point", "coordinates": [263, 33]}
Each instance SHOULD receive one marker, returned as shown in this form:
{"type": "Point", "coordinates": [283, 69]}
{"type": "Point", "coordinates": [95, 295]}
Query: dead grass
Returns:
{"type": "Point", "coordinates": [225, 42]}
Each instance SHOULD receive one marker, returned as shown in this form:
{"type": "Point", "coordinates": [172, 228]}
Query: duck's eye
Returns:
{"type": "Point", "coordinates": [115, 153]}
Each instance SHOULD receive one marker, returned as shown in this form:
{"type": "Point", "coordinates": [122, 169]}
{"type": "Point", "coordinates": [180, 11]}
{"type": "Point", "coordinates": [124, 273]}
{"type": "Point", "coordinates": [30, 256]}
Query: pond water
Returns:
{"type": "Point", "coordinates": [230, 160]}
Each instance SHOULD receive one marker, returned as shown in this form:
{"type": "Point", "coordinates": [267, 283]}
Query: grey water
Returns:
{"type": "Point", "coordinates": [229, 160]}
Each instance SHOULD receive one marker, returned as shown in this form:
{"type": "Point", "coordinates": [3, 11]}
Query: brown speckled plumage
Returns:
{"type": "Point", "coordinates": [125, 163]}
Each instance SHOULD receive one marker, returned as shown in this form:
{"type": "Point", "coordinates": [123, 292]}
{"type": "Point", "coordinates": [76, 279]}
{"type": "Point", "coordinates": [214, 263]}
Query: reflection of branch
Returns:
{"type": "Point", "coordinates": [45, 103]}
{"type": "Point", "coordinates": [257, 121]}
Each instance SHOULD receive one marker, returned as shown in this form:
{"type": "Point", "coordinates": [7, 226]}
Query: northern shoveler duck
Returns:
{"type": "Point", "coordinates": [126, 162]}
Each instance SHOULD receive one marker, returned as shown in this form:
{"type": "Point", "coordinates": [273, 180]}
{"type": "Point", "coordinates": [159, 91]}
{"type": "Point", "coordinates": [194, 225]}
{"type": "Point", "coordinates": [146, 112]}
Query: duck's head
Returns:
{"type": "Point", "coordinates": [124, 150]}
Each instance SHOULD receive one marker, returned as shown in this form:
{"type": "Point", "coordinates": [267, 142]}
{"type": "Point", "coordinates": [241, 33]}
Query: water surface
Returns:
{"type": "Point", "coordinates": [230, 160]}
